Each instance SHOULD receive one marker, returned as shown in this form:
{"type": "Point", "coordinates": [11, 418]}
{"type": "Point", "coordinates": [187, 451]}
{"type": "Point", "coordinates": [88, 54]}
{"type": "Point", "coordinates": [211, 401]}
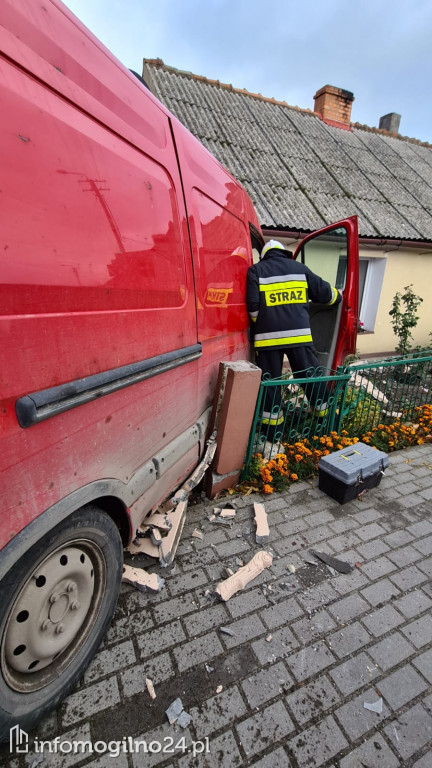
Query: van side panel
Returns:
{"type": "Point", "coordinates": [96, 274]}
{"type": "Point", "coordinates": [221, 251]}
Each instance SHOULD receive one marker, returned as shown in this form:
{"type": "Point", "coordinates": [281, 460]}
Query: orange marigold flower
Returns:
{"type": "Point", "coordinates": [294, 476]}
{"type": "Point", "coordinates": [268, 489]}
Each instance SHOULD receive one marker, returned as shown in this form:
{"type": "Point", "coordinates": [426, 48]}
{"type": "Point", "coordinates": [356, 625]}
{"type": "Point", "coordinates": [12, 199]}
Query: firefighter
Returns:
{"type": "Point", "coordinates": [277, 295]}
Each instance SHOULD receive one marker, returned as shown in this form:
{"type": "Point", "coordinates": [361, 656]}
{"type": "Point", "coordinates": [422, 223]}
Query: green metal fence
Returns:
{"type": "Point", "coordinates": [355, 398]}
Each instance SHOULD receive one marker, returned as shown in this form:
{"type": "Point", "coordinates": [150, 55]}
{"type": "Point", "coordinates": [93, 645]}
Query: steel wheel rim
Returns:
{"type": "Point", "coordinates": [53, 615]}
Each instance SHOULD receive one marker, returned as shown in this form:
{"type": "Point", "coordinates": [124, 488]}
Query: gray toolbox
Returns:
{"type": "Point", "coordinates": [343, 475]}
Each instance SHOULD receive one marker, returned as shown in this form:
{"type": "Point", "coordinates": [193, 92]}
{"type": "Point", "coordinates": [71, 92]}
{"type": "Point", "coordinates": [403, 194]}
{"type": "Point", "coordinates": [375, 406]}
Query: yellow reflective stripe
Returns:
{"type": "Point", "coordinates": [283, 286]}
{"type": "Point", "coordinates": [284, 341]}
{"type": "Point", "coordinates": [273, 422]}
{"type": "Point", "coordinates": [335, 294]}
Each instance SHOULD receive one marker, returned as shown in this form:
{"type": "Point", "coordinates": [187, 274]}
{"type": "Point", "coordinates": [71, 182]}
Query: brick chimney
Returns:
{"type": "Point", "coordinates": [390, 122]}
{"type": "Point", "coordinates": [334, 104]}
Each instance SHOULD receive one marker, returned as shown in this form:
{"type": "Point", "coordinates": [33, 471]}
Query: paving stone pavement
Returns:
{"type": "Point", "coordinates": [308, 648]}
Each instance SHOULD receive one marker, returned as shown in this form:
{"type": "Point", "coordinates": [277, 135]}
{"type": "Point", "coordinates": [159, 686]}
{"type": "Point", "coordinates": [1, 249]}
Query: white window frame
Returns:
{"type": "Point", "coordinates": [372, 292]}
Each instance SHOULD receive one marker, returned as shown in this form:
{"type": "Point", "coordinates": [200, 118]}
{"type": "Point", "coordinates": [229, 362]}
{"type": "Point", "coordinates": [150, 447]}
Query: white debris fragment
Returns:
{"type": "Point", "coordinates": [150, 688]}
{"type": "Point", "coordinates": [228, 513]}
{"type": "Point", "coordinates": [209, 668]}
{"type": "Point", "coordinates": [142, 580]}
{"type": "Point", "coordinates": [219, 689]}
{"type": "Point", "coordinates": [261, 522]}
{"type": "Point", "coordinates": [174, 711]}
{"type": "Point", "coordinates": [269, 638]}
{"type": "Point", "coordinates": [375, 707]}
{"type": "Point", "coordinates": [197, 534]}
{"type": "Point", "coordinates": [292, 568]}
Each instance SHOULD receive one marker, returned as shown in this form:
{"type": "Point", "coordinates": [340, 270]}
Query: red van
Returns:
{"type": "Point", "coordinates": [125, 247]}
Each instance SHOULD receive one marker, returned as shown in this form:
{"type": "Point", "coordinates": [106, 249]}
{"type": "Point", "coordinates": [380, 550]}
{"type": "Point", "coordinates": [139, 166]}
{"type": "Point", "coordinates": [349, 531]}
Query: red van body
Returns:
{"type": "Point", "coordinates": [125, 247]}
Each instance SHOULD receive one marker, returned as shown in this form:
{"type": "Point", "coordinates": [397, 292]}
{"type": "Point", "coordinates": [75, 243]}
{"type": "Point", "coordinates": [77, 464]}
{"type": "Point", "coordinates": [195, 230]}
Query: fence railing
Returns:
{"type": "Point", "coordinates": [355, 398]}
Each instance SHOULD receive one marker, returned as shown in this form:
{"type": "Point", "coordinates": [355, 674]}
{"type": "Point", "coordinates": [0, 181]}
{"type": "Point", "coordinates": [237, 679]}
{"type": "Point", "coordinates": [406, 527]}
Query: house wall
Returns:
{"type": "Point", "coordinates": [389, 271]}
{"type": "Point", "coordinates": [402, 267]}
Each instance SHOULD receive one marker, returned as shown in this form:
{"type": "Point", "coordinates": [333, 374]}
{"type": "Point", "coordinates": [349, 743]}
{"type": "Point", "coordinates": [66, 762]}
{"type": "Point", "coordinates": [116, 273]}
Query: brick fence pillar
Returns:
{"type": "Point", "coordinates": [235, 399]}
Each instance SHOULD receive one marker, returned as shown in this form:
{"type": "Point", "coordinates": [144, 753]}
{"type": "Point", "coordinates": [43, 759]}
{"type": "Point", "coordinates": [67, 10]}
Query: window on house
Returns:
{"type": "Point", "coordinates": [371, 276]}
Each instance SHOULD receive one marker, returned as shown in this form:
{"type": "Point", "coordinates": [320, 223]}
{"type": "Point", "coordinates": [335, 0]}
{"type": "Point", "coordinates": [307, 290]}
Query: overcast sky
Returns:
{"type": "Point", "coordinates": [381, 50]}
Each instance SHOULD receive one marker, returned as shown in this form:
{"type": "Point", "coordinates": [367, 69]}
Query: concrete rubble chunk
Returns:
{"type": "Point", "coordinates": [184, 719]}
{"type": "Point", "coordinates": [261, 522]}
{"type": "Point", "coordinates": [174, 711]}
{"type": "Point", "coordinates": [150, 688]}
{"type": "Point", "coordinates": [141, 579]}
{"type": "Point", "coordinates": [242, 577]}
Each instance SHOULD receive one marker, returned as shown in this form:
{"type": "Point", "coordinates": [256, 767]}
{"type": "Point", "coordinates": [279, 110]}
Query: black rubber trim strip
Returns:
{"type": "Point", "coordinates": [39, 406]}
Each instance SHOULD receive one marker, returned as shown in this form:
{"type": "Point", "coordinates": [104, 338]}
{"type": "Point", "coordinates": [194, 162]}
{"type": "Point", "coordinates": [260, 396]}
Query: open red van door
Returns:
{"type": "Point", "coordinates": [333, 254]}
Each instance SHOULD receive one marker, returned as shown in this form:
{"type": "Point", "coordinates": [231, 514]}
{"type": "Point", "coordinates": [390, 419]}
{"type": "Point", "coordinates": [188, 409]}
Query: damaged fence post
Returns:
{"type": "Point", "coordinates": [233, 411]}
{"type": "Point", "coordinates": [242, 577]}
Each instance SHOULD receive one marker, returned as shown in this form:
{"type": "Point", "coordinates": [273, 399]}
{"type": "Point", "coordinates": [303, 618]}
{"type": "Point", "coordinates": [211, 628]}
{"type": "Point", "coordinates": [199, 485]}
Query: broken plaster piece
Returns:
{"type": "Point", "coordinates": [150, 688]}
{"type": "Point", "coordinates": [228, 513]}
{"type": "Point", "coordinates": [143, 546]}
{"type": "Point", "coordinates": [174, 711]}
{"type": "Point", "coordinates": [184, 719]}
{"type": "Point", "coordinates": [197, 534]}
{"type": "Point", "coordinates": [170, 541]}
{"type": "Point", "coordinates": [375, 707]}
{"type": "Point", "coordinates": [292, 568]}
{"type": "Point", "coordinates": [262, 528]}
{"type": "Point", "coordinates": [244, 575]}
{"type": "Point", "coordinates": [201, 469]}
{"type": "Point", "coordinates": [141, 579]}
{"type": "Point", "coordinates": [158, 520]}
{"type": "Point", "coordinates": [219, 689]}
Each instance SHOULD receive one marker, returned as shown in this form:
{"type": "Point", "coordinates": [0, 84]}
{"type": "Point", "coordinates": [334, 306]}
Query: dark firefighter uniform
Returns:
{"type": "Point", "coordinates": [277, 295]}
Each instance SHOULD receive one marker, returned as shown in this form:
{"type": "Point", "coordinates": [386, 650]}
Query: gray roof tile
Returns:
{"type": "Point", "coordinates": [300, 172]}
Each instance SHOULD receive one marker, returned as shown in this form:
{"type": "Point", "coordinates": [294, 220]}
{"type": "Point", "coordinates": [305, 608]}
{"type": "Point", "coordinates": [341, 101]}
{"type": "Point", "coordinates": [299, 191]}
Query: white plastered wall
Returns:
{"type": "Point", "coordinates": [402, 267]}
{"type": "Point", "coordinates": [393, 269]}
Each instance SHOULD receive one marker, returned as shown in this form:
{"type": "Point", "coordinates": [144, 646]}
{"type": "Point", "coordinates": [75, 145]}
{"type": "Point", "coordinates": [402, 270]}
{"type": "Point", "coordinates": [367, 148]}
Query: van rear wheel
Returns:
{"type": "Point", "coordinates": [55, 607]}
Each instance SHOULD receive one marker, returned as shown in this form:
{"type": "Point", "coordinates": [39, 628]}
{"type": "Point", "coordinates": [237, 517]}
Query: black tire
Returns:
{"type": "Point", "coordinates": [55, 606]}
